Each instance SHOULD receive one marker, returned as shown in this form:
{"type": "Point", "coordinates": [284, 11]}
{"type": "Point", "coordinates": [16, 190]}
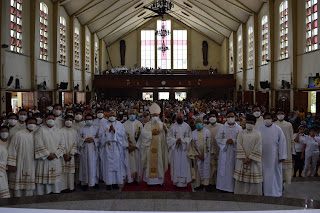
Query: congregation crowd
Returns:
{"type": "Point", "coordinates": [233, 147]}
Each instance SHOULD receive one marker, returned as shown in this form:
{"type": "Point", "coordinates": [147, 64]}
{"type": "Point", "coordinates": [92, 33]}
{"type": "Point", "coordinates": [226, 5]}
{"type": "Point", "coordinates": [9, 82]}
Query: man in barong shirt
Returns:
{"type": "Point", "coordinates": [133, 129]}
{"type": "Point", "coordinates": [248, 170]}
{"type": "Point", "coordinates": [179, 139]}
{"type": "Point", "coordinates": [257, 113]}
{"type": "Point", "coordinates": [274, 152]}
{"type": "Point", "coordinates": [201, 152]}
{"type": "Point", "coordinates": [287, 130]}
{"type": "Point", "coordinates": [49, 148]}
{"type": "Point", "coordinates": [21, 162]}
{"type": "Point", "coordinates": [155, 149]}
{"type": "Point", "coordinates": [227, 140]}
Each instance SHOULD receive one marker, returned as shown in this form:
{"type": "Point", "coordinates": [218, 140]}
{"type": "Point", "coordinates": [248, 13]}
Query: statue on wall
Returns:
{"type": "Point", "coordinates": [123, 52]}
{"type": "Point", "coordinates": [205, 53]}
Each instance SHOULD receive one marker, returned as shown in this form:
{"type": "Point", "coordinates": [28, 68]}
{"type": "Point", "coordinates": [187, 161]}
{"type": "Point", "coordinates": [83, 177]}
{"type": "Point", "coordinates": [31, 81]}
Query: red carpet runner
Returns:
{"type": "Point", "coordinates": [167, 186]}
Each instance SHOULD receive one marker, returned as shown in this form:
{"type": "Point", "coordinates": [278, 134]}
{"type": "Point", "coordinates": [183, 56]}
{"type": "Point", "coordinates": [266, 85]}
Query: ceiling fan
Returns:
{"type": "Point", "coordinates": [160, 7]}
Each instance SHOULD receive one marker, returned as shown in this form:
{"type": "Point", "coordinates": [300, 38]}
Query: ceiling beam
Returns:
{"type": "Point", "coordinates": [83, 7]}
{"type": "Point", "coordinates": [245, 6]}
{"type": "Point", "coordinates": [230, 16]}
{"type": "Point", "coordinates": [89, 8]}
{"type": "Point", "coordinates": [250, 12]}
{"type": "Point", "coordinates": [62, 2]}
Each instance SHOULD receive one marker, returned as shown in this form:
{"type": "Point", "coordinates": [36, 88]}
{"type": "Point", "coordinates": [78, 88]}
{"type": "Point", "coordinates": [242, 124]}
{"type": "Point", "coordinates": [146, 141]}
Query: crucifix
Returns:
{"type": "Point", "coordinates": [246, 168]}
{"type": "Point", "coordinates": [52, 170]}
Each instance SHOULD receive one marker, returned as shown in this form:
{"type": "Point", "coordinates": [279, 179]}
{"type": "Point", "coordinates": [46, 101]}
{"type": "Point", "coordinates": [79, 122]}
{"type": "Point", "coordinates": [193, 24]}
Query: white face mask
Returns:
{"type": "Point", "coordinates": [70, 114]}
{"type": "Point", "coordinates": [32, 127]}
{"type": "Point", "coordinates": [267, 122]}
{"type": "Point", "coordinates": [78, 117]}
{"type": "Point", "coordinates": [257, 114]}
{"type": "Point", "coordinates": [12, 122]}
{"type": "Point", "coordinates": [249, 126]}
{"type": "Point", "coordinates": [280, 117]}
{"type": "Point", "coordinates": [50, 122]}
{"type": "Point", "coordinates": [112, 119]}
{"type": "Point", "coordinates": [155, 119]}
{"type": "Point", "coordinates": [212, 120]}
{"type": "Point", "coordinates": [39, 120]}
{"type": "Point", "coordinates": [22, 117]}
{"type": "Point", "coordinates": [100, 115]}
{"type": "Point", "coordinates": [4, 135]}
{"type": "Point", "coordinates": [68, 123]}
{"type": "Point", "coordinates": [57, 112]}
{"type": "Point", "coordinates": [50, 108]}
{"type": "Point", "coordinates": [230, 120]}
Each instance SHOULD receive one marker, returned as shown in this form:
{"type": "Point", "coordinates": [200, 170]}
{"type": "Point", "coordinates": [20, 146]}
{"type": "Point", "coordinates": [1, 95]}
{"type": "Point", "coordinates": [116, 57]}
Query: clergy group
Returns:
{"type": "Point", "coordinates": [68, 148]}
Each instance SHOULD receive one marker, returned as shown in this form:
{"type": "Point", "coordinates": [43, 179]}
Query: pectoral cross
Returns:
{"type": "Point", "coordinates": [184, 134]}
{"type": "Point", "coordinates": [246, 168]}
{"type": "Point", "coordinates": [25, 175]}
{"type": "Point", "coordinates": [82, 134]}
{"type": "Point", "coordinates": [175, 134]}
{"type": "Point", "coordinates": [52, 170]}
{"type": "Point", "coordinates": [223, 133]}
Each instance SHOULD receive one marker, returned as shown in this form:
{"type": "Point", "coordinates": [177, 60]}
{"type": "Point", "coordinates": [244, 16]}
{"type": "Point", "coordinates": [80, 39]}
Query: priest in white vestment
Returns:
{"type": "Point", "coordinates": [155, 148]}
{"type": "Point", "coordinates": [214, 127]}
{"type": "Point", "coordinates": [179, 138]}
{"type": "Point", "coordinates": [248, 170]}
{"type": "Point", "coordinates": [257, 113]}
{"type": "Point", "coordinates": [4, 136]}
{"type": "Point", "coordinates": [14, 125]}
{"type": "Point", "coordinates": [287, 130]}
{"type": "Point", "coordinates": [201, 152]}
{"type": "Point", "coordinates": [57, 111]}
{"type": "Point", "coordinates": [70, 136]}
{"type": "Point", "coordinates": [99, 121]}
{"type": "Point", "coordinates": [88, 144]}
{"type": "Point", "coordinates": [227, 141]}
{"type": "Point", "coordinates": [49, 148]}
{"type": "Point", "coordinates": [133, 129]}
{"type": "Point", "coordinates": [21, 161]}
{"type": "Point", "coordinates": [113, 152]}
{"type": "Point", "coordinates": [4, 188]}
{"type": "Point", "coordinates": [274, 152]}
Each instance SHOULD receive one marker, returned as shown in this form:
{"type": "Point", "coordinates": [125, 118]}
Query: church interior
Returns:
{"type": "Point", "coordinates": [246, 53]}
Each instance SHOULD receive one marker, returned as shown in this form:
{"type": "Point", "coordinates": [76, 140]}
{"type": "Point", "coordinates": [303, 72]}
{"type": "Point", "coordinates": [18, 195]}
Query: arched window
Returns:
{"type": "Point", "coordinates": [180, 49]}
{"type": "Point", "coordinates": [16, 26]}
{"type": "Point", "coordinates": [240, 61]}
{"type": "Point", "coordinates": [283, 9]}
{"type": "Point", "coordinates": [96, 53]}
{"type": "Point", "coordinates": [250, 47]}
{"type": "Point", "coordinates": [231, 56]}
{"type": "Point", "coordinates": [76, 48]}
{"type": "Point", "coordinates": [312, 25]}
{"type": "Point", "coordinates": [63, 41]}
{"type": "Point", "coordinates": [87, 52]}
{"type": "Point", "coordinates": [43, 31]}
{"type": "Point", "coordinates": [264, 40]}
{"type": "Point", "coordinates": [148, 48]}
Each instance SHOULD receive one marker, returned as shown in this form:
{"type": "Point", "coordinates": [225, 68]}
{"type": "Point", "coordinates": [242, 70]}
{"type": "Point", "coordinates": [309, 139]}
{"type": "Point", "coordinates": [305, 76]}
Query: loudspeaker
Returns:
{"type": "Point", "coordinates": [63, 85]}
{"type": "Point", "coordinates": [264, 84]}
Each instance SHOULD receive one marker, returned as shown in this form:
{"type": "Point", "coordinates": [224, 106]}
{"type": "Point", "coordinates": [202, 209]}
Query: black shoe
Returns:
{"type": "Point", "coordinates": [208, 188]}
{"type": "Point", "coordinates": [115, 186]}
{"type": "Point", "coordinates": [85, 188]}
{"type": "Point", "coordinates": [136, 183]}
{"type": "Point", "coordinates": [199, 188]}
{"type": "Point", "coordinates": [294, 175]}
{"type": "Point", "coordinates": [108, 187]}
{"type": "Point", "coordinates": [96, 186]}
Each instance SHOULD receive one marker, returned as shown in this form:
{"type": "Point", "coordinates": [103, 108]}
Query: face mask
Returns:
{"type": "Point", "coordinates": [39, 120]}
{"type": "Point", "coordinates": [100, 115]}
{"type": "Point", "coordinates": [12, 122]}
{"type": "Point", "coordinates": [121, 113]}
{"type": "Point", "coordinates": [267, 122]}
{"type": "Point", "coordinates": [257, 114]}
{"type": "Point", "coordinates": [155, 119]}
{"type": "Point", "coordinates": [50, 108]}
{"type": "Point", "coordinates": [148, 117]}
{"type": "Point", "coordinates": [32, 127]}
{"type": "Point", "coordinates": [30, 114]}
{"type": "Point", "coordinates": [179, 120]}
{"type": "Point", "coordinates": [125, 118]}
{"type": "Point", "coordinates": [78, 117]}
{"type": "Point", "coordinates": [249, 126]}
{"type": "Point", "coordinates": [199, 126]}
{"type": "Point", "coordinates": [308, 116]}
{"type": "Point", "coordinates": [212, 120]}
{"type": "Point", "coordinates": [208, 112]}
{"type": "Point", "coordinates": [230, 120]}
{"type": "Point", "coordinates": [185, 119]}
{"type": "Point", "coordinates": [4, 135]}
{"type": "Point", "coordinates": [89, 122]}
{"type": "Point", "coordinates": [280, 117]}
{"type": "Point", "coordinates": [70, 114]}
{"type": "Point", "coordinates": [50, 122]}
{"type": "Point", "coordinates": [57, 112]}
{"type": "Point", "coordinates": [68, 123]}
{"type": "Point", "coordinates": [22, 117]}
{"type": "Point", "coordinates": [112, 119]}
{"type": "Point", "coordinates": [132, 117]}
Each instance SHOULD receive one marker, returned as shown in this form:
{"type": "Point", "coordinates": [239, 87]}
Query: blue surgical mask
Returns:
{"type": "Point", "coordinates": [199, 126]}
{"type": "Point", "coordinates": [89, 122]}
{"type": "Point", "coordinates": [132, 117]}
{"type": "Point", "coordinates": [308, 116]}
{"type": "Point", "coordinates": [125, 118]}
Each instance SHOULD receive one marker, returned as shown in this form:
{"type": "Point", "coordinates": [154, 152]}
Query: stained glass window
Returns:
{"type": "Point", "coordinates": [164, 42]}
{"type": "Point", "coordinates": [87, 52]}
{"type": "Point", "coordinates": [180, 48]}
{"type": "Point", "coordinates": [312, 25]}
{"type": "Point", "coordinates": [147, 48]}
{"type": "Point", "coordinates": [16, 25]}
{"type": "Point", "coordinates": [76, 48]}
{"type": "Point", "coordinates": [43, 31]}
{"type": "Point", "coordinates": [283, 9]}
{"type": "Point", "coordinates": [63, 60]}
{"type": "Point", "coordinates": [264, 40]}
{"type": "Point", "coordinates": [96, 53]}
{"type": "Point", "coordinates": [231, 56]}
{"type": "Point", "coordinates": [250, 47]}
{"type": "Point", "coordinates": [240, 61]}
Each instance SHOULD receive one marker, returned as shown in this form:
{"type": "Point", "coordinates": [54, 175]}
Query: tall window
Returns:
{"type": "Point", "coordinates": [147, 48]}
{"type": "Point", "coordinates": [87, 52]}
{"type": "Point", "coordinates": [164, 57]}
{"type": "Point", "coordinates": [96, 51]}
{"type": "Point", "coordinates": [180, 49]}
{"type": "Point", "coordinates": [231, 56]}
{"type": "Point", "coordinates": [250, 47]}
{"type": "Point", "coordinates": [264, 40]}
{"type": "Point", "coordinates": [312, 25]}
{"type": "Point", "coordinates": [240, 61]}
{"type": "Point", "coordinates": [76, 48]}
{"type": "Point", "coordinates": [16, 26]}
{"type": "Point", "coordinates": [63, 60]}
{"type": "Point", "coordinates": [283, 9]}
{"type": "Point", "coordinates": [43, 31]}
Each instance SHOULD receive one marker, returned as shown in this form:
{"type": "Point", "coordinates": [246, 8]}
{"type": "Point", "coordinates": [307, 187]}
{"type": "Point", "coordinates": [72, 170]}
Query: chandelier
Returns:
{"type": "Point", "coordinates": [162, 6]}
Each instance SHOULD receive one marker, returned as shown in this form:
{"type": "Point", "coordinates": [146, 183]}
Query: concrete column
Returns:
{"type": "Point", "coordinates": [244, 59]}
{"type": "Point", "coordinates": [271, 53]}
{"type": "Point", "coordinates": [227, 55]}
{"type": "Point", "coordinates": [293, 56]}
{"type": "Point", "coordinates": [56, 50]}
{"type": "Point", "coordinates": [71, 53]}
{"type": "Point", "coordinates": [33, 52]}
{"type": "Point", "coordinates": [83, 56]}
{"type": "Point", "coordinates": [92, 63]}
{"type": "Point", "coordinates": [256, 55]}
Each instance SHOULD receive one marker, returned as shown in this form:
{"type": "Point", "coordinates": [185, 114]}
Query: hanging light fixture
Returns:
{"type": "Point", "coordinates": [162, 6]}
